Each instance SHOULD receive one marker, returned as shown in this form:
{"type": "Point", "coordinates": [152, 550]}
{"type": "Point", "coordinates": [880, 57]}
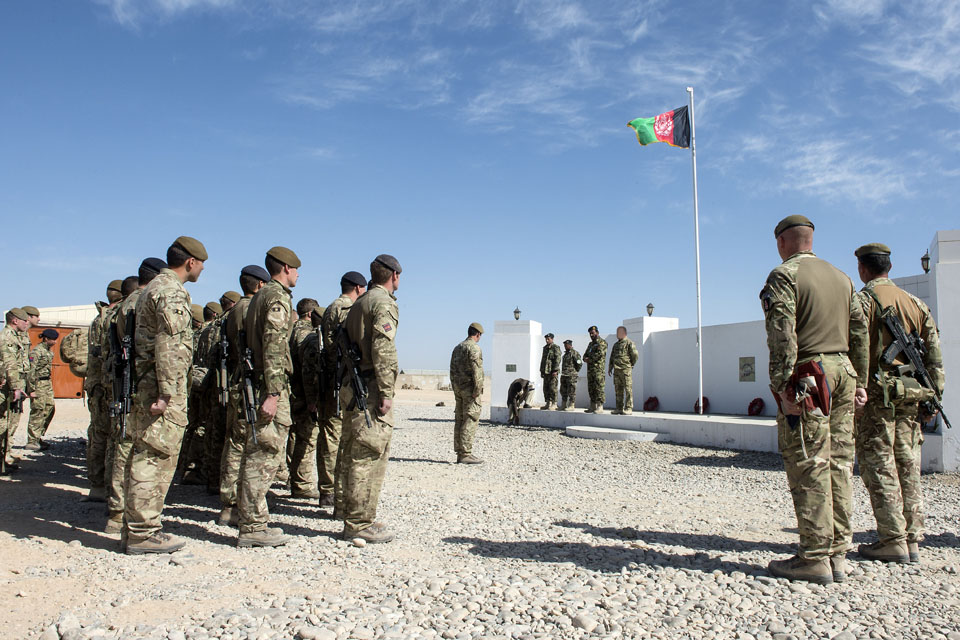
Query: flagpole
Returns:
{"type": "Point", "coordinates": [696, 233]}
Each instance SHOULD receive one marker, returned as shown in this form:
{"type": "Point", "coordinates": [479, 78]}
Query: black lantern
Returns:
{"type": "Point", "coordinates": [516, 313]}
{"type": "Point", "coordinates": [925, 262]}
{"type": "Point", "coordinates": [649, 308]}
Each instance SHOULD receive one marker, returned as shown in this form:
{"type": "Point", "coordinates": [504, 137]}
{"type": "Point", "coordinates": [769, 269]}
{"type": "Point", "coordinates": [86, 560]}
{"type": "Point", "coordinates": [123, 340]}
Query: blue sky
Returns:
{"type": "Point", "coordinates": [482, 143]}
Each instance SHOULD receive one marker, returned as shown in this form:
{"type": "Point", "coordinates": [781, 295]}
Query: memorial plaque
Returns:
{"type": "Point", "coordinates": [748, 369]}
{"type": "Point", "coordinates": [511, 368]}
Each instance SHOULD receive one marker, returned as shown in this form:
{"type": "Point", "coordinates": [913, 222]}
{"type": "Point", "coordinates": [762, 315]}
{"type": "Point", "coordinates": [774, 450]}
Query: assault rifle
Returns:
{"type": "Point", "coordinates": [249, 393]}
{"type": "Point", "coordinates": [223, 382]}
{"type": "Point", "coordinates": [122, 368]}
{"type": "Point", "coordinates": [348, 357]}
{"type": "Point", "coordinates": [913, 348]}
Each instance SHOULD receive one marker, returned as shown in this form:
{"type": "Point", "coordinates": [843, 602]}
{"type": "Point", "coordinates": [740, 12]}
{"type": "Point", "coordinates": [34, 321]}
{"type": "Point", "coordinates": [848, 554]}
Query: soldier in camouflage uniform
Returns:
{"type": "Point", "coordinates": [38, 382]}
{"type": "Point", "coordinates": [329, 451]}
{"type": "Point", "coordinates": [216, 412]}
{"type": "Point", "coordinates": [371, 328]}
{"type": "Point", "coordinates": [268, 326]}
{"type": "Point", "coordinates": [550, 361]}
{"type": "Point", "coordinates": [14, 364]}
{"type": "Point", "coordinates": [888, 431]}
{"type": "Point", "coordinates": [164, 351]}
{"type": "Point", "coordinates": [98, 433]}
{"type": "Point", "coordinates": [569, 371]}
{"type": "Point", "coordinates": [252, 279]}
{"type": "Point", "coordinates": [623, 357]}
{"type": "Point", "coordinates": [33, 320]}
{"type": "Point", "coordinates": [191, 457]}
{"type": "Point", "coordinates": [309, 358]}
{"type": "Point", "coordinates": [466, 378]}
{"type": "Point", "coordinates": [125, 321]}
{"type": "Point", "coordinates": [596, 358]}
{"type": "Point", "coordinates": [813, 315]}
{"type": "Point", "coordinates": [302, 441]}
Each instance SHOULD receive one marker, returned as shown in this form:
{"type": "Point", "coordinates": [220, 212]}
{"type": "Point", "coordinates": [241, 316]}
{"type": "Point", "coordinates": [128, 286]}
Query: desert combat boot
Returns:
{"type": "Point", "coordinates": [157, 543]}
{"type": "Point", "coordinates": [269, 537]}
{"type": "Point", "coordinates": [914, 549]}
{"type": "Point", "coordinates": [891, 552]}
{"type": "Point", "coordinates": [797, 568]}
{"type": "Point", "coordinates": [838, 566]}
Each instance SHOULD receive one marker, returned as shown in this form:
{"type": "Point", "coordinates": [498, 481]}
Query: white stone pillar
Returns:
{"type": "Point", "coordinates": [516, 354]}
{"type": "Point", "coordinates": [945, 304]}
{"type": "Point", "coordinates": [638, 330]}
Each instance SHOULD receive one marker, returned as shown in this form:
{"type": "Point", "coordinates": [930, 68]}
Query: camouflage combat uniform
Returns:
{"type": "Point", "coordinates": [98, 433]}
{"type": "Point", "coordinates": [268, 325]}
{"type": "Point", "coordinates": [164, 350]}
{"type": "Point", "coordinates": [466, 378]}
{"type": "Point", "coordinates": [569, 370]}
{"type": "Point", "coordinates": [812, 314]}
{"type": "Point", "coordinates": [14, 377]}
{"type": "Point", "coordinates": [372, 326]}
{"type": "Point", "coordinates": [198, 406]}
{"type": "Point", "coordinates": [122, 442]}
{"type": "Point", "coordinates": [215, 421]}
{"type": "Point", "coordinates": [623, 357]}
{"type": "Point", "coordinates": [106, 378]}
{"type": "Point", "coordinates": [13, 423]}
{"type": "Point", "coordinates": [237, 425]}
{"type": "Point", "coordinates": [42, 404]}
{"type": "Point", "coordinates": [329, 449]}
{"type": "Point", "coordinates": [550, 361]}
{"type": "Point", "coordinates": [888, 432]}
{"type": "Point", "coordinates": [302, 443]}
{"type": "Point", "coordinates": [596, 358]}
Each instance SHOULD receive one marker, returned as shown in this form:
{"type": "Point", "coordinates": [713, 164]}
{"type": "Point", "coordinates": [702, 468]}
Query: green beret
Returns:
{"type": "Point", "coordinates": [115, 285]}
{"type": "Point", "coordinates": [874, 248]}
{"type": "Point", "coordinates": [232, 296]}
{"type": "Point", "coordinates": [192, 246]}
{"type": "Point", "coordinates": [286, 256]}
{"type": "Point", "coordinates": [19, 313]}
{"type": "Point", "coordinates": [31, 311]}
{"type": "Point", "coordinates": [477, 326]}
{"type": "Point", "coordinates": [792, 221]}
{"type": "Point", "coordinates": [318, 313]}
{"type": "Point", "coordinates": [389, 262]}
{"type": "Point", "coordinates": [197, 312]}
{"type": "Point", "coordinates": [215, 307]}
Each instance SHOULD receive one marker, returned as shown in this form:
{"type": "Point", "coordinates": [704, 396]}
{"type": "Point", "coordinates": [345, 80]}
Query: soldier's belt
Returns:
{"type": "Point", "coordinates": [44, 378]}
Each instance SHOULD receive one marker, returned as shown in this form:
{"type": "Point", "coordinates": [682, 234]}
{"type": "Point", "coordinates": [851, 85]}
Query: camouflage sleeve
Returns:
{"type": "Point", "coordinates": [543, 363]}
{"type": "Point", "coordinates": [779, 301]}
{"type": "Point", "coordinates": [328, 326]}
{"type": "Point", "coordinates": [859, 341]}
{"type": "Point", "coordinates": [933, 360]}
{"type": "Point", "coordinates": [476, 369]}
{"type": "Point", "coordinates": [383, 351]}
{"type": "Point", "coordinates": [276, 346]}
{"type": "Point", "coordinates": [577, 360]}
{"type": "Point", "coordinates": [173, 350]}
{"type": "Point", "coordinates": [310, 368]}
{"type": "Point", "coordinates": [33, 373]}
{"type": "Point", "coordinates": [634, 354]}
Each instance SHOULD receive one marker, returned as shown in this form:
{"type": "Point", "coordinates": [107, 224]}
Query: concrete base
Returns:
{"type": "Point", "coordinates": [600, 433]}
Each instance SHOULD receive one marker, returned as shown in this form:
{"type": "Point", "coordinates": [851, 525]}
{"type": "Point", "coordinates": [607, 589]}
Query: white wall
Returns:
{"type": "Point", "coordinates": [945, 304]}
{"type": "Point", "coordinates": [514, 343]}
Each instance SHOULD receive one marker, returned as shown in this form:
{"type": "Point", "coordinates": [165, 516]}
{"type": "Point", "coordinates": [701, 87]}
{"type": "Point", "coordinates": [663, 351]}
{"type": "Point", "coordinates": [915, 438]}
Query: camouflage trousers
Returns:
{"type": "Point", "coordinates": [818, 460]}
{"type": "Point", "coordinates": [41, 411]}
{"type": "Point", "coordinates": [303, 469]}
{"type": "Point", "coordinates": [568, 390]}
{"type": "Point", "coordinates": [262, 457]}
{"type": "Point", "coordinates": [465, 422]}
{"type": "Point", "coordinates": [98, 434]}
{"type": "Point", "coordinates": [596, 386]}
{"type": "Point", "coordinates": [366, 450]}
{"type": "Point", "coordinates": [116, 489]}
{"type": "Point", "coordinates": [191, 457]}
{"type": "Point", "coordinates": [232, 456]}
{"type": "Point", "coordinates": [213, 439]}
{"type": "Point", "coordinates": [328, 445]}
{"type": "Point", "coordinates": [550, 384]}
{"type": "Point", "coordinates": [623, 389]}
{"type": "Point", "coordinates": [888, 448]}
{"type": "Point", "coordinates": [150, 468]}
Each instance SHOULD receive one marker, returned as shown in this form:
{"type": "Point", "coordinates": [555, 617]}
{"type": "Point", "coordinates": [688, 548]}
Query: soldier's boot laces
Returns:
{"type": "Point", "coordinates": [377, 533]}
{"type": "Point", "coordinates": [114, 523]}
{"type": "Point", "coordinates": [468, 458]}
{"type": "Point", "coordinates": [913, 549]}
{"type": "Point", "coordinates": [96, 494]}
{"type": "Point", "coordinates": [797, 568]}
{"type": "Point", "coordinates": [838, 566]}
{"type": "Point", "coordinates": [269, 537]}
{"type": "Point", "coordinates": [157, 543]}
{"type": "Point", "coordinates": [228, 517]}
{"type": "Point", "coordinates": [891, 552]}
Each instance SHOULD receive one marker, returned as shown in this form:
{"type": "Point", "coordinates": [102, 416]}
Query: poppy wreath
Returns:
{"type": "Point", "coordinates": [706, 405]}
{"type": "Point", "coordinates": [756, 407]}
{"type": "Point", "coordinates": [652, 404]}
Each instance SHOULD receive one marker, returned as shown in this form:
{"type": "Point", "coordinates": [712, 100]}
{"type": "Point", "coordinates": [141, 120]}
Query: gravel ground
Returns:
{"type": "Point", "coordinates": [552, 538]}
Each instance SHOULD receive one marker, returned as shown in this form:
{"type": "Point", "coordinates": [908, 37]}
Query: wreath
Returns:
{"type": "Point", "coordinates": [756, 407]}
{"type": "Point", "coordinates": [706, 405]}
{"type": "Point", "coordinates": [652, 404]}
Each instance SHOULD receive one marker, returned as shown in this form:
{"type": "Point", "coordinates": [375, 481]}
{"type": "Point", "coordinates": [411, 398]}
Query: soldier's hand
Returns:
{"type": "Point", "coordinates": [860, 398]}
{"type": "Point", "coordinates": [18, 393]}
{"type": "Point", "coordinates": [789, 404]}
{"type": "Point", "coordinates": [269, 406]}
{"type": "Point", "coordinates": [158, 407]}
{"type": "Point", "coordinates": [33, 394]}
{"type": "Point", "coordinates": [385, 405]}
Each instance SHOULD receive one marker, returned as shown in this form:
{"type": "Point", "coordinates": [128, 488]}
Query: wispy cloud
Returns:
{"type": "Point", "coordinates": [132, 12]}
{"type": "Point", "coordinates": [839, 171]}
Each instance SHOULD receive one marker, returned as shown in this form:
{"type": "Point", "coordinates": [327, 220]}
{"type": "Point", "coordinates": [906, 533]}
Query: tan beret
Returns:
{"type": "Point", "coordinates": [792, 221]}
{"type": "Point", "coordinates": [19, 313]}
{"type": "Point", "coordinates": [215, 307]}
{"type": "Point", "coordinates": [874, 248]}
{"type": "Point", "coordinates": [115, 285]}
{"type": "Point", "coordinates": [31, 311]}
{"type": "Point", "coordinates": [477, 326]}
{"type": "Point", "coordinates": [232, 296]}
{"type": "Point", "coordinates": [286, 256]}
{"type": "Point", "coordinates": [318, 313]}
{"type": "Point", "coordinates": [192, 246]}
{"type": "Point", "coordinates": [197, 312]}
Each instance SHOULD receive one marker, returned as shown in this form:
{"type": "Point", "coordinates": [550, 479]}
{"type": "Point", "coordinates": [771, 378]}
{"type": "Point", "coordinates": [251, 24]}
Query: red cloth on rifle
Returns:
{"type": "Point", "coordinates": [815, 398]}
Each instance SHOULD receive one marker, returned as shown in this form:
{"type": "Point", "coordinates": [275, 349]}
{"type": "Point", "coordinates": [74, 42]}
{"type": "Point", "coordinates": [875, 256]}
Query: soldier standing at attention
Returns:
{"type": "Point", "coordinates": [268, 326]}
{"type": "Point", "coordinates": [302, 442]}
{"type": "Point", "coordinates": [125, 320]}
{"type": "Point", "coordinates": [252, 278]}
{"type": "Point", "coordinates": [371, 327]}
{"type": "Point", "coordinates": [13, 374]}
{"type": "Point", "coordinates": [201, 393]}
{"type": "Point", "coordinates": [42, 402]}
{"type": "Point", "coordinates": [814, 320]}
{"type": "Point", "coordinates": [164, 351]}
{"type": "Point", "coordinates": [33, 315]}
{"type": "Point", "coordinates": [550, 361]}
{"type": "Point", "coordinates": [888, 430]}
{"type": "Point", "coordinates": [215, 433]}
{"type": "Point", "coordinates": [596, 358]}
{"type": "Point", "coordinates": [623, 357]}
{"type": "Point", "coordinates": [569, 370]}
{"type": "Point", "coordinates": [329, 449]}
{"type": "Point", "coordinates": [466, 378]}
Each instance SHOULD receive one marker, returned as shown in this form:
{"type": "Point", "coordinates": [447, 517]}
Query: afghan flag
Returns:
{"type": "Point", "coordinates": [672, 127]}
